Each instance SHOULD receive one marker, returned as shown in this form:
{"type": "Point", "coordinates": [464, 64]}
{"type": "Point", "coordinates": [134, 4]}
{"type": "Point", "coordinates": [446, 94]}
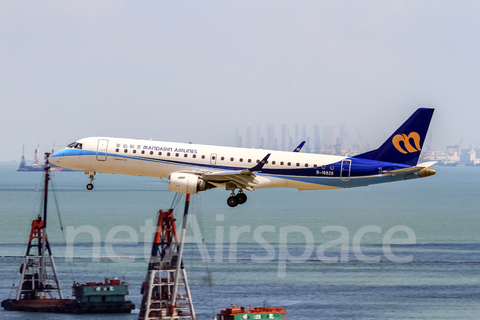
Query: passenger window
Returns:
{"type": "Point", "coordinates": [185, 155]}
{"type": "Point", "coordinates": [241, 159]}
{"type": "Point", "coordinates": [273, 162]}
{"type": "Point", "coordinates": [160, 153]}
{"type": "Point", "coordinates": [134, 151]}
{"type": "Point", "coordinates": [222, 158]}
{"type": "Point", "coordinates": [249, 160]}
{"type": "Point", "coordinates": [231, 159]}
{"type": "Point", "coordinates": [151, 152]}
{"type": "Point", "coordinates": [194, 156]}
{"type": "Point", "coordinates": [281, 163]}
{"type": "Point", "coordinates": [143, 151]}
{"type": "Point", "coordinates": [176, 154]}
{"type": "Point", "coordinates": [203, 157]}
{"type": "Point", "coordinates": [125, 150]}
{"type": "Point", "coordinates": [332, 167]}
{"type": "Point", "coordinates": [289, 164]}
{"type": "Point", "coordinates": [298, 164]}
{"type": "Point", "coordinates": [116, 150]}
{"type": "Point", "coordinates": [258, 161]}
{"type": "Point", "coordinates": [323, 167]}
{"type": "Point", "coordinates": [306, 165]}
{"type": "Point", "coordinates": [315, 166]}
{"type": "Point", "coordinates": [168, 154]}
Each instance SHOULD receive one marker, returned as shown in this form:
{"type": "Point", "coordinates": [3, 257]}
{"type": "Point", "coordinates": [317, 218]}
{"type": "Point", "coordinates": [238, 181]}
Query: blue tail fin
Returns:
{"type": "Point", "coordinates": [405, 144]}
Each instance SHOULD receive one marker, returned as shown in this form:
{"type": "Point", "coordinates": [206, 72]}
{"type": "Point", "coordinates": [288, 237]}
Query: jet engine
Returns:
{"type": "Point", "coordinates": [187, 183]}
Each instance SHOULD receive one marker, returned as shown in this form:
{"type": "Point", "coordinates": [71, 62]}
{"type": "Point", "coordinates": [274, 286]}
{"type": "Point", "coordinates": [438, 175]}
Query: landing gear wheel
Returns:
{"type": "Point", "coordinates": [92, 177]}
{"type": "Point", "coordinates": [232, 201]}
{"type": "Point", "coordinates": [241, 198]}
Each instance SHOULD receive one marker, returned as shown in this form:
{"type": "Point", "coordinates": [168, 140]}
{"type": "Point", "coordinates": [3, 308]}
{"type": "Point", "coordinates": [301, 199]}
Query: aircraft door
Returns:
{"type": "Point", "coordinates": [345, 170]}
{"type": "Point", "coordinates": [102, 149]}
{"type": "Point", "coordinates": [213, 158]}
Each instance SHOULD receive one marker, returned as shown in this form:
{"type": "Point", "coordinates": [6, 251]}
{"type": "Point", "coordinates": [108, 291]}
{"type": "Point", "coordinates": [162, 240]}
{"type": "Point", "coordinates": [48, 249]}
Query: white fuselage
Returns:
{"type": "Point", "coordinates": [223, 165]}
{"type": "Point", "coordinates": [160, 159]}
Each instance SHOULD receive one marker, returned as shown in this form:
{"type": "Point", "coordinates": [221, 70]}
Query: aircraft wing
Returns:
{"type": "Point", "coordinates": [239, 178]}
{"type": "Point", "coordinates": [243, 179]}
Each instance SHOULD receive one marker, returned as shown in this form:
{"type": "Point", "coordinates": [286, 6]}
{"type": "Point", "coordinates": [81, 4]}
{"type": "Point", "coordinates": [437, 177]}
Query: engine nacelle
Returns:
{"type": "Point", "coordinates": [187, 183]}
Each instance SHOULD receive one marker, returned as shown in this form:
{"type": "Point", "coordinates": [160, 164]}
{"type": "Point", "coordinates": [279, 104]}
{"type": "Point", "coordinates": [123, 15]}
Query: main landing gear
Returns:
{"type": "Point", "coordinates": [235, 200]}
{"type": "Point", "coordinates": [92, 177]}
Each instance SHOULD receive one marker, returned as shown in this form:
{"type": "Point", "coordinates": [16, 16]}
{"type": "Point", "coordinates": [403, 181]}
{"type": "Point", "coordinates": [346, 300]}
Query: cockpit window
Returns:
{"type": "Point", "coordinates": [75, 145]}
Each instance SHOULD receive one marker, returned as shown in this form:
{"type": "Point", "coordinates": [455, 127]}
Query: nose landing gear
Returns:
{"type": "Point", "coordinates": [92, 177]}
{"type": "Point", "coordinates": [235, 200]}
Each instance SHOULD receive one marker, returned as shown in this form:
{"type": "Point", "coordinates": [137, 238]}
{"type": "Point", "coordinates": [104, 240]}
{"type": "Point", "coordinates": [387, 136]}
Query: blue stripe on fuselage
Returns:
{"type": "Point", "coordinates": [359, 167]}
{"type": "Point", "coordinates": [67, 152]}
{"type": "Point", "coordinates": [352, 182]}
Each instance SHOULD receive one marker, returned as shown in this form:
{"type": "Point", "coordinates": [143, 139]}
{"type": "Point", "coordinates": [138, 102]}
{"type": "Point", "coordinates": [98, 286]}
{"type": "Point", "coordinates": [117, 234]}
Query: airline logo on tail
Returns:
{"type": "Point", "coordinates": [406, 142]}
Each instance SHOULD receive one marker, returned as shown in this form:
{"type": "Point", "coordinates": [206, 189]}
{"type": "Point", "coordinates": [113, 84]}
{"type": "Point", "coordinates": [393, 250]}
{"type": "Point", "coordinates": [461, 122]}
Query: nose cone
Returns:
{"type": "Point", "coordinates": [56, 158]}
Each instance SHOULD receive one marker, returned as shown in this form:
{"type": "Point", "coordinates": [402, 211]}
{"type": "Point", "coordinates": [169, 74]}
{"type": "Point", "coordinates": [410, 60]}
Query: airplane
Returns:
{"type": "Point", "coordinates": [192, 168]}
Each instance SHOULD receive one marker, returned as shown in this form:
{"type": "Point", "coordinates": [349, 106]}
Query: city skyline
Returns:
{"type": "Point", "coordinates": [193, 71]}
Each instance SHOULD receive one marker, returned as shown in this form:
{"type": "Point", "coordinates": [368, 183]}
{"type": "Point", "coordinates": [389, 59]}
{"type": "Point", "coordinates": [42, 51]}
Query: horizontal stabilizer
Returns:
{"type": "Point", "coordinates": [417, 168]}
{"type": "Point", "coordinates": [421, 169]}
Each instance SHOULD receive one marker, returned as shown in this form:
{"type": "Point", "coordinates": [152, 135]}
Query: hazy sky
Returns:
{"type": "Point", "coordinates": [193, 70]}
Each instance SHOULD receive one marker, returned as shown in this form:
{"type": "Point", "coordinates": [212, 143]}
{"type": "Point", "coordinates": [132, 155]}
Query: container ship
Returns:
{"type": "Point", "coordinates": [92, 297]}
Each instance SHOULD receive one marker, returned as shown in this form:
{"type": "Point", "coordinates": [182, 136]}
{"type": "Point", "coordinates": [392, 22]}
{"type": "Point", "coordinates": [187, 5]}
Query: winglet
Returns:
{"type": "Point", "coordinates": [260, 165]}
{"type": "Point", "coordinates": [300, 146]}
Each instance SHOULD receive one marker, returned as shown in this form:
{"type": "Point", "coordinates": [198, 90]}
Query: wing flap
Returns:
{"type": "Point", "coordinates": [240, 179]}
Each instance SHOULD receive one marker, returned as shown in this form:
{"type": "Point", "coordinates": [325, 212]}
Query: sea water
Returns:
{"type": "Point", "coordinates": [318, 254]}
